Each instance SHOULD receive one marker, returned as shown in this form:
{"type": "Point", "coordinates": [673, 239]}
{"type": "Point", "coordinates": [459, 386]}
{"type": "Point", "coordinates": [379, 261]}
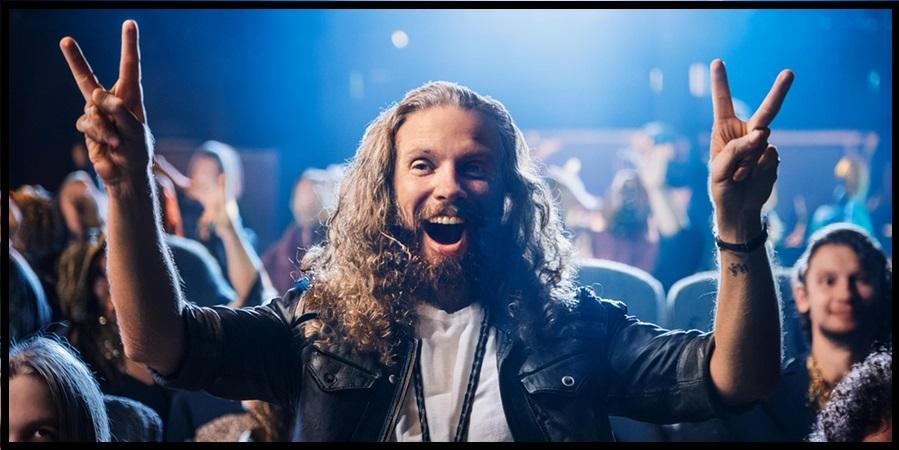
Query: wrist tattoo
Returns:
{"type": "Point", "coordinates": [737, 268]}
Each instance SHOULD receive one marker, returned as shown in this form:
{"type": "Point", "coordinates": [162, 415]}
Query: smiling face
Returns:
{"type": "Point", "coordinates": [837, 293]}
{"type": "Point", "coordinates": [446, 179]}
{"type": "Point", "coordinates": [32, 414]}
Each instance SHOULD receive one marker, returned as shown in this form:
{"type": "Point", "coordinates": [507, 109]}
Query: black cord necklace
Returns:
{"type": "Point", "coordinates": [465, 415]}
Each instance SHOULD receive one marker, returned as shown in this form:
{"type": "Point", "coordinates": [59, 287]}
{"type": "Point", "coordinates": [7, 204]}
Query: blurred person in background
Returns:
{"type": "Point", "coordinates": [29, 311]}
{"type": "Point", "coordinates": [850, 196]}
{"type": "Point", "coordinates": [630, 236]}
{"type": "Point", "coordinates": [579, 209]}
{"type": "Point", "coordinates": [674, 175]}
{"type": "Point", "coordinates": [210, 215]}
{"type": "Point", "coordinates": [313, 195]}
{"type": "Point", "coordinates": [52, 395]}
{"type": "Point", "coordinates": [244, 280]}
{"type": "Point", "coordinates": [40, 237]}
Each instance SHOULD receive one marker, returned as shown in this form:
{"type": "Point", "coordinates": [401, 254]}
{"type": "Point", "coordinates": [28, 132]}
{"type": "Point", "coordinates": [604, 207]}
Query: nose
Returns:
{"type": "Point", "coordinates": [448, 186]}
{"type": "Point", "coordinates": [844, 290]}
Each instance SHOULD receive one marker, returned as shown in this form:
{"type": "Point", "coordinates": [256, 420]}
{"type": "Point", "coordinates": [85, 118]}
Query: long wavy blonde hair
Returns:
{"type": "Point", "coordinates": [362, 274]}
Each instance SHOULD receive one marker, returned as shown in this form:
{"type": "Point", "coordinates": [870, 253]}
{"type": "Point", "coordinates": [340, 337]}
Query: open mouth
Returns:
{"type": "Point", "coordinates": [445, 230]}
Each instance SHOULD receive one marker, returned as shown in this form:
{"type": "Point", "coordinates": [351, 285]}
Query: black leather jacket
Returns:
{"type": "Point", "coordinates": [610, 363]}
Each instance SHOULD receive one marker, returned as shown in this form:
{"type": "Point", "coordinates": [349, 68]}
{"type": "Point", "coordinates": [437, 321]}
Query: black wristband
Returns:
{"type": "Point", "coordinates": [748, 247]}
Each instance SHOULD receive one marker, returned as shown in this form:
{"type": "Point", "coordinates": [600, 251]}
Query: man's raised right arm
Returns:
{"type": "Point", "coordinates": [142, 277]}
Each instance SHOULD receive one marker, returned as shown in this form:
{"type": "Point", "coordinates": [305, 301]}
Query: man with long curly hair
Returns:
{"type": "Point", "coordinates": [441, 305]}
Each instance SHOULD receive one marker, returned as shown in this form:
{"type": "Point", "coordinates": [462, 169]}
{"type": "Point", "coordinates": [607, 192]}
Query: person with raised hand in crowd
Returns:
{"type": "Point", "coordinates": [214, 186]}
{"type": "Point", "coordinates": [445, 252]}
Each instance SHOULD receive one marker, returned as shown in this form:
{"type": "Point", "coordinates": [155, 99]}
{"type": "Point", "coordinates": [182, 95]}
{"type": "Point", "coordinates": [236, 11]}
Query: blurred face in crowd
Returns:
{"type": "Point", "coordinates": [446, 179]}
{"type": "Point", "coordinates": [837, 294]}
{"type": "Point", "coordinates": [205, 178]}
{"type": "Point", "coordinates": [305, 205]}
{"type": "Point", "coordinates": [32, 414]}
{"type": "Point", "coordinates": [630, 202]}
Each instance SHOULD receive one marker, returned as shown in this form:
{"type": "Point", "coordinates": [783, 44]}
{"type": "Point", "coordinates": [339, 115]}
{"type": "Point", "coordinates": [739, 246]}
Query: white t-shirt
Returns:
{"type": "Point", "coordinates": [447, 351]}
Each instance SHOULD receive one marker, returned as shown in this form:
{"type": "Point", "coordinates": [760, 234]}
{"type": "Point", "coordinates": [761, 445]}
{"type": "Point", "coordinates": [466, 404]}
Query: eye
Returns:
{"type": "Point", "coordinates": [43, 434]}
{"type": "Point", "coordinates": [474, 170]}
{"type": "Point", "coordinates": [421, 166]}
{"type": "Point", "coordinates": [828, 281]}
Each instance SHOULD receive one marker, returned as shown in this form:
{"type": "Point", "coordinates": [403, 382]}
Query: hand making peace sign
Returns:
{"type": "Point", "coordinates": [114, 121]}
{"type": "Point", "coordinates": [743, 166]}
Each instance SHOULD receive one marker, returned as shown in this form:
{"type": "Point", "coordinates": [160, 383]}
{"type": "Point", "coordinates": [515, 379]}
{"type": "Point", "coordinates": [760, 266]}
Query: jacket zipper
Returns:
{"type": "Point", "coordinates": [397, 405]}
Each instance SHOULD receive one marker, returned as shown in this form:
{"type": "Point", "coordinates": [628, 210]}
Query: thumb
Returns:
{"type": "Point", "coordinates": [739, 156]}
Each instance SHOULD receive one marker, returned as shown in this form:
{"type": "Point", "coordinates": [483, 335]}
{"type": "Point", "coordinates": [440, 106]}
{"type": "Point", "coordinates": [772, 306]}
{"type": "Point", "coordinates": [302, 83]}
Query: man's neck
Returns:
{"type": "Point", "coordinates": [834, 359]}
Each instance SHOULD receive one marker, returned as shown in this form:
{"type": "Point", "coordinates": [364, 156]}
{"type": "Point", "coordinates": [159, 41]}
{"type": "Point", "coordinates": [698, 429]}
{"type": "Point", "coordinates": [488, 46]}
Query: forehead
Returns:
{"type": "Point", "coordinates": [304, 186]}
{"type": "Point", "coordinates": [448, 128]}
{"type": "Point", "coordinates": [30, 401]}
{"type": "Point", "coordinates": [833, 257]}
{"type": "Point", "coordinates": [204, 163]}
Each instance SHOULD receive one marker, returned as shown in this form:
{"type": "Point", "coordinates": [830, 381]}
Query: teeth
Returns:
{"type": "Point", "coordinates": [447, 220]}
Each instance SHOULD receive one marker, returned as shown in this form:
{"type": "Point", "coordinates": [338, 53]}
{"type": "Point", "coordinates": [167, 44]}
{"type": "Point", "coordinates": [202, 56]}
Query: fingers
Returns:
{"type": "Point", "coordinates": [740, 156]}
{"type": "Point", "coordinates": [81, 70]}
{"type": "Point", "coordinates": [97, 127]}
{"type": "Point", "coordinates": [722, 103]}
{"type": "Point", "coordinates": [771, 105]}
{"type": "Point", "coordinates": [129, 63]}
{"type": "Point", "coordinates": [768, 162]}
{"type": "Point", "coordinates": [117, 110]}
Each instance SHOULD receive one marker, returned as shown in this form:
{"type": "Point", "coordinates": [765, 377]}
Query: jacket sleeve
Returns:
{"type": "Point", "coordinates": [658, 375]}
{"type": "Point", "coordinates": [240, 354]}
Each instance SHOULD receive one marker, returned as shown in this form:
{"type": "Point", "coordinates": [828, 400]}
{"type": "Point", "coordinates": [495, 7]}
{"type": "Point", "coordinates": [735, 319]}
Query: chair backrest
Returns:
{"type": "Point", "coordinates": [794, 338]}
{"type": "Point", "coordinates": [691, 302]}
{"type": "Point", "coordinates": [691, 305]}
{"type": "Point", "coordinates": [642, 293]}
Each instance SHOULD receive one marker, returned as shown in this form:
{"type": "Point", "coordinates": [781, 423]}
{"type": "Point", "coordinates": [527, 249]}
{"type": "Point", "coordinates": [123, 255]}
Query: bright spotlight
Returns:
{"type": "Point", "coordinates": [399, 38]}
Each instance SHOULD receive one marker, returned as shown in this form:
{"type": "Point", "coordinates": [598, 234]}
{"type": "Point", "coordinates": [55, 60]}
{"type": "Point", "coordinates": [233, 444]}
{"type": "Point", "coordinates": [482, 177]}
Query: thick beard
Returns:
{"type": "Point", "coordinates": [450, 283]}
